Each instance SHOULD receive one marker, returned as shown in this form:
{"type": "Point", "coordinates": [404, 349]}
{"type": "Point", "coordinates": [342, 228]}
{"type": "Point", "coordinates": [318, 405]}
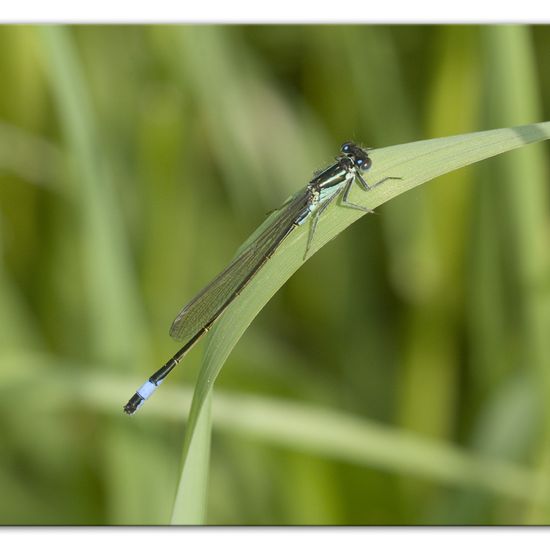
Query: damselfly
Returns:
{"type": "Point", "coordinates": [196, 318]}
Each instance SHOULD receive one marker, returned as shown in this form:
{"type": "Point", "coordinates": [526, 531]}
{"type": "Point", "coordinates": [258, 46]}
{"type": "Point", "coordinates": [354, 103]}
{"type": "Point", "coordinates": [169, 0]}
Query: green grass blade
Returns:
{"type": "Point", "coordinates": [284, 423]}
{"type": "Point", "coordinates": [194, 474]}
{"type": "Point", "coordinates": [117, 322]}
{"type": "Point", "coordinates": [513, 93]}
{"type": "Point", "coordinates": [415, 163]}
{"type": "Point", "coordinates": [116, 335]}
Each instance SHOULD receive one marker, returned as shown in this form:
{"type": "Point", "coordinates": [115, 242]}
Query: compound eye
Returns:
{"type": "Point", "coordinates": [364, 164]}
{"type": "Point", "coordinates": [346, 148]}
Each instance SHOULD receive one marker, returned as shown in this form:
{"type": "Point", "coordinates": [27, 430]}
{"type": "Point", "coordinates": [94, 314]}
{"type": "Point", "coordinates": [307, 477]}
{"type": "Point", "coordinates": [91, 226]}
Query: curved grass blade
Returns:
{"type": "Point", "coordinates": [415, 163]}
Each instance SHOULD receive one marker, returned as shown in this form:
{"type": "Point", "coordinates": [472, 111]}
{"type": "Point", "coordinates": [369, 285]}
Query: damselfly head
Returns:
{"type": "Point", "coordinates": [357, 154]}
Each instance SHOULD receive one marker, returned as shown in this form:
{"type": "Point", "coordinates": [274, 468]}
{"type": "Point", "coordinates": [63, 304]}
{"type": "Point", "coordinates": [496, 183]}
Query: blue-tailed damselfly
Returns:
{"type": "Point", "coordinates": [196, 318]}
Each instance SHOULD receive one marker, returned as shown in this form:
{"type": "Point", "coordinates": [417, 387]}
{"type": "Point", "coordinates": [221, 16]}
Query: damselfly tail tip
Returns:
{"type": "Point", "coordinates": [143, 393]}
{"type": "Point", "coordinates": [134, 404]}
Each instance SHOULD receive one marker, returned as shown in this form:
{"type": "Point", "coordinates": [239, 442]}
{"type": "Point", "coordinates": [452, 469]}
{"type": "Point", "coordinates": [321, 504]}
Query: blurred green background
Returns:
{"type": "Point", "coordinates": [134, 160]}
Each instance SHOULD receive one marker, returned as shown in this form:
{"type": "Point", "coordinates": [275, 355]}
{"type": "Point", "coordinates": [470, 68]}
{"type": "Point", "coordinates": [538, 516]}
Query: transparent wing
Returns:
{"type": "Point", "coordinates": [211, 301]}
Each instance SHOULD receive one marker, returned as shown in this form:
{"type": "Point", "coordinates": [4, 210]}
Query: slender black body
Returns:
{"type": "Point", "coordinates": [196, 318]}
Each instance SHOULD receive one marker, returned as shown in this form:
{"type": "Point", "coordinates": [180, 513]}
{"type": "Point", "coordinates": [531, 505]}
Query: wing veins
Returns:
{"type": "Point", "coordinates": [212, 300]}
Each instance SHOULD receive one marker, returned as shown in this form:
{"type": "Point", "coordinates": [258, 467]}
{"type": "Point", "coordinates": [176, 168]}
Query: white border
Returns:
{"type": "Point", "coordinates": [452, 538]}
{"type": "Point", "coordinates": [282, 11]}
